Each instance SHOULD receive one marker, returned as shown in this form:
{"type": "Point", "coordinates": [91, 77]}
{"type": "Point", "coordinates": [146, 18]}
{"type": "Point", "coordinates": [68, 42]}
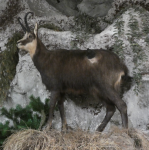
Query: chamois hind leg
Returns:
{"type": "Point", "coordinates": [55, 96]}
{"type": "Point", "coordinates": [62, 112]}
{"type": "Point", "coordinates": [114, 97]}
{"type": "Point", "coordinates": [110, 109]}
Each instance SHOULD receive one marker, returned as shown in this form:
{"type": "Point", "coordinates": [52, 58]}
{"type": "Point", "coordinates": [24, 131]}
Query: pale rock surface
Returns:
{"type": "Point", "coordinates": [95, 8]}
{"type": "Point", "coordinates": [3, 4]}
{"type": "Point", "coordinates": [28, 82]}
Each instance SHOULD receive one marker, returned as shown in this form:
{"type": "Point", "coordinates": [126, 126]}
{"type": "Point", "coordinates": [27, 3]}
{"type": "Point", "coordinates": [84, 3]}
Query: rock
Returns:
{"type": "Point", "coordinates": [95, 8]}
{"type": "Point", "coordinates": [3, 5]}
{"type": "Point", "coordinates": [42, 8]}
{"type": "Point", "coordinates": [27, 81]}
{"type": "Point", "coordinates": [67, 7]}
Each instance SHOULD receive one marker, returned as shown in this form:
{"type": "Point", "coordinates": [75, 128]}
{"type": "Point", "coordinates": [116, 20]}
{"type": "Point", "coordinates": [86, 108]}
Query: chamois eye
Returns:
{"type": "Point", "coordinates": [30, 36]}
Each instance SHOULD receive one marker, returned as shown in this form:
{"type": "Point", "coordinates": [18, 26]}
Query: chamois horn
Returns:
{"type": "Point", "coordinates": [23, 27]}
{"type": "Point", "coordinates": [25, 20]}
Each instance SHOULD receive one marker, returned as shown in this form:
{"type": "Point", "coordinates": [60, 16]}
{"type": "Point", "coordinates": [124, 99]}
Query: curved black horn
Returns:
{"type": "Point", "coordinates": [24, 29]}
{"type": "Point", "coordinates": [25, 20]}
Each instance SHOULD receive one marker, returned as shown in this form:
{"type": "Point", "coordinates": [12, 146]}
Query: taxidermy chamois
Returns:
{"type": "Point", "coordinates": [97, 72]}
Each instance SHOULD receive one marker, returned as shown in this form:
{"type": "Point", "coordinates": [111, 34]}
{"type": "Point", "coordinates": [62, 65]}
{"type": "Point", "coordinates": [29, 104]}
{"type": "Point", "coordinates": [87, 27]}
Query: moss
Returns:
{"type": "Point", "coordinates": [8, 61]}
{"type": "Point", "coordinates": [12, 9]}
{"type": "Point", "coordinates": [125, 5]}
{"type": "Point", "coordinates": [85, 23]}
{"type": "Point", "coordinates": [50, 26]}
{"type": "Point", "coordinates": [136, 32]}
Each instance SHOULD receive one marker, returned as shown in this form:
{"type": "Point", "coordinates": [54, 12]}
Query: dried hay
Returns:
{"type": "Point", "coordinates": [76, 140]}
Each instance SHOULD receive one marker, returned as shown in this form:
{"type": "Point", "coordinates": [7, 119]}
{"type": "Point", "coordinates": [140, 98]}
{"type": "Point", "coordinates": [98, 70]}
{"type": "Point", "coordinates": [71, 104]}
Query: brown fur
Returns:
{"type": "Point", "coordinates": [74, 70]}
{"type": "Point", "coordinates": [97, 72]}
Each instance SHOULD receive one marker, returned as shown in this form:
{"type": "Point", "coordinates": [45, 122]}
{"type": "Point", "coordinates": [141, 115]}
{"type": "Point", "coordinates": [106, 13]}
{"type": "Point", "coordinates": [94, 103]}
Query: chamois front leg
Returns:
{"type": "Point", "coordinates": [54, 98]}
{"type": "Point", "coordinates": [62, 113]}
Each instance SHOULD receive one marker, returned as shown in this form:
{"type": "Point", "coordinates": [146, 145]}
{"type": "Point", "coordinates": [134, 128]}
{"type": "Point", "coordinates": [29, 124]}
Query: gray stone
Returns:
{"type": "Point", "coordinates": [3, 5]}
{"type": "Point", "coordinates": [67, 7]}
{"type": "Point", "coordinates": [42, 8]}
{"type": "Point", "coordinates": [95, 8]}
{"type": "Point", "coordinates": [28, 82]}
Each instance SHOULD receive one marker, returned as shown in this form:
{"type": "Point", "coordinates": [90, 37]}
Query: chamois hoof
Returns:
{"type": "Point", "coordinates": [99, 129]}
{"type": "Point", "coordinates": [47, 128]}
{"type": "Point", "coordinates": [66, 129]}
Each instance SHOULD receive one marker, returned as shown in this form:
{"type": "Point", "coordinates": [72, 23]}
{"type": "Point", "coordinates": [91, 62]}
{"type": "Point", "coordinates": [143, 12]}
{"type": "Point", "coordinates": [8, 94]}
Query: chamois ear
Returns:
{"type": "Point", "coordinates": [36, 30]}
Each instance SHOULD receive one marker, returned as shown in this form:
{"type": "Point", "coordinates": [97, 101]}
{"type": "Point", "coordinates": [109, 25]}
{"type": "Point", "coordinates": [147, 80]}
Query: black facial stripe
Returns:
{"type": "Point", "coordinates": [28, 40]}
{"type": "Point", "coordinates": [24, 42]}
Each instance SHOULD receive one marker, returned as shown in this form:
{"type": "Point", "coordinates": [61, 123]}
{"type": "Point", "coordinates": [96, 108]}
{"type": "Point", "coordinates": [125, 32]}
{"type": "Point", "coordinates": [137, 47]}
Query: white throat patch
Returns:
{"type": "Point", "coordinates": [31, 47]}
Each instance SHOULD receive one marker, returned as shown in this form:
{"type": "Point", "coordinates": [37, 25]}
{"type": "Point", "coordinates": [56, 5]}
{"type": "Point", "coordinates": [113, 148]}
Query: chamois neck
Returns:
{"type": "Point", "coordinates": [40, 49]}
{"type": "Point", "coordinates": [40, 46]}
{"type": "Point", "coordinates": [40, 54]}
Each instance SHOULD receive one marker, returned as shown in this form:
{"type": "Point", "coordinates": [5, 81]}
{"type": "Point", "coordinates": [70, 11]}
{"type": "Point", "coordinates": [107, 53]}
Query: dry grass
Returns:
{"type": "Point", "coordinates": [116, 139]}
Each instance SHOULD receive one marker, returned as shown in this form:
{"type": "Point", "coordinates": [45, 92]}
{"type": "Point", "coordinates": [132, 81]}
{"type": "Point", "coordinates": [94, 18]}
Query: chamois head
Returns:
{"type": "Point", "coordinates": [29, 41]}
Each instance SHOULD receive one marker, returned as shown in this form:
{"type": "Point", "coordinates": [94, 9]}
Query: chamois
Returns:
{"type": "Point", "coordinates": [97, 72]}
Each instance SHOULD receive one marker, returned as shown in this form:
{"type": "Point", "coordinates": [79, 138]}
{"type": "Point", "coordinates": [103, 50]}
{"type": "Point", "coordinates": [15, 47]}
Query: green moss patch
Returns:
{"type": "Point", "coordinates": [88, 24]}
{"type": "Point", "coordinates": [8, 61]}
{"type": "Point", "coordinates": [50, 26]}
{"type": "Point", "coordinates": [12, 9]}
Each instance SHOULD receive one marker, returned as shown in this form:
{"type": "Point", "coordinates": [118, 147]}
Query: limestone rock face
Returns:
{"type": "Point", "coordinates": [67, 7]}
{"type": "Point", "coordinates": [42, 8]}
{"type": "Point", "coordinates": [3, 4]}
{"type": "Point", "coordinates": [94, 8]}
{"type": "Point", "coordinates": [27, 80]}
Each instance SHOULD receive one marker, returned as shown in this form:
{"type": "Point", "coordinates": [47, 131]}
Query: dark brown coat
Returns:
{"type": "Point", "coordinates": [97, 72]}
